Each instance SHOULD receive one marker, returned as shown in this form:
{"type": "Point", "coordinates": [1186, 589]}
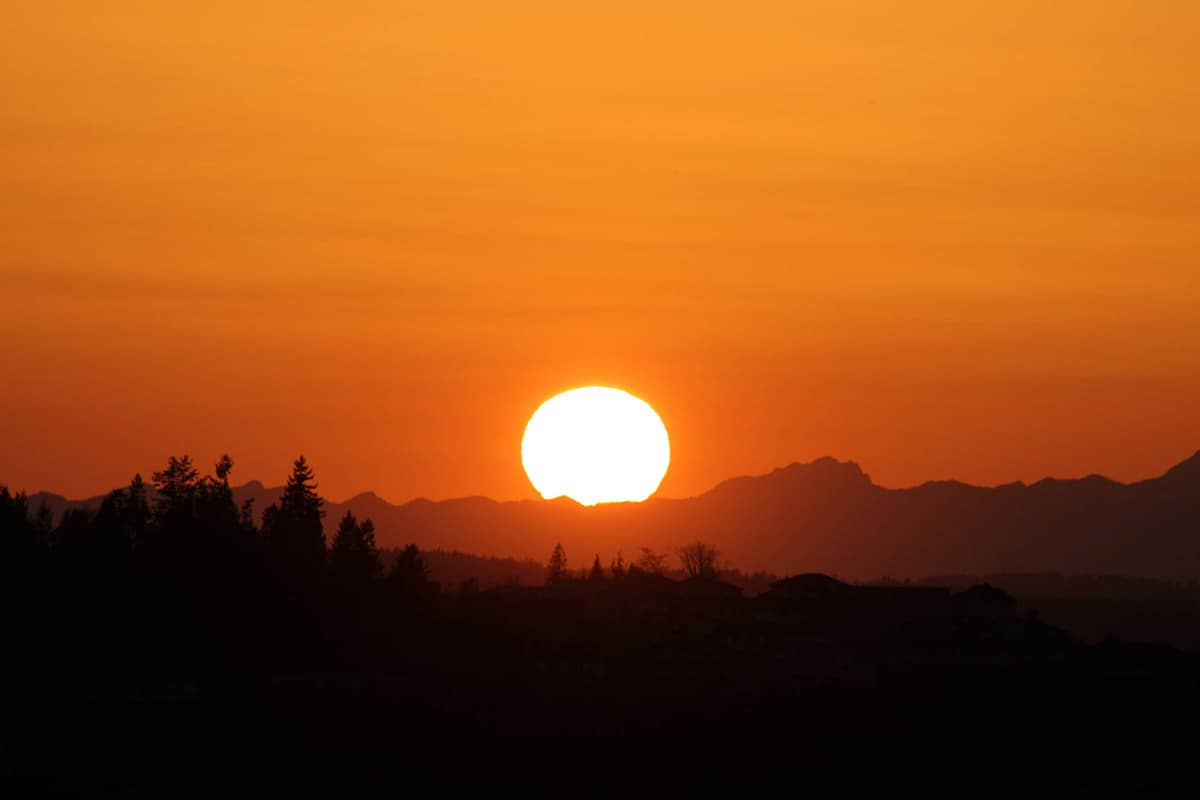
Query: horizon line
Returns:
{"type": "Point", "coordinates": [656, 496]}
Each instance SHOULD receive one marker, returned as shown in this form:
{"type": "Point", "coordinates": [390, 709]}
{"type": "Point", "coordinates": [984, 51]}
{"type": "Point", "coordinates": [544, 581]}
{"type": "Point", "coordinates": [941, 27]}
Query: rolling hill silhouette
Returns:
{"type": "Point", "coordinates": [826, 516]}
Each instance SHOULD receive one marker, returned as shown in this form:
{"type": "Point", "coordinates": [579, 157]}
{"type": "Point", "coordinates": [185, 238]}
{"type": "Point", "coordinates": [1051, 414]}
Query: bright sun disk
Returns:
{"type": "Point", "coordinates": [596, 445]}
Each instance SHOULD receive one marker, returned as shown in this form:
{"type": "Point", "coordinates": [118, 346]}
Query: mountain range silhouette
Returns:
{"type": "Point", "coordinates": [824, 516]}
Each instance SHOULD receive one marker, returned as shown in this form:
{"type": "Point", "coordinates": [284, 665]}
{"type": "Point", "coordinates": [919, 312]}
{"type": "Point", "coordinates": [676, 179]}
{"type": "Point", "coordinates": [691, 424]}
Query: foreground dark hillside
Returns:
{"type": "Point", "coordinates": [178, 644]}
{"type": "Point", "coordinates": [829, 516]}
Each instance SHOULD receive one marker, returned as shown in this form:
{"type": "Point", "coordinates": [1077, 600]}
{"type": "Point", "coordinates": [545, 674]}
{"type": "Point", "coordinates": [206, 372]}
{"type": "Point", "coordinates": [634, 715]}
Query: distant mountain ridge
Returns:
{"type": "Point", "coordinates": [825, 516]}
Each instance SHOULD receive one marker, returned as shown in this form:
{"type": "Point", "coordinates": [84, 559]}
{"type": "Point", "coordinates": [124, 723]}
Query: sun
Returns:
{"type": "Point", "coordinates": [596, 445]}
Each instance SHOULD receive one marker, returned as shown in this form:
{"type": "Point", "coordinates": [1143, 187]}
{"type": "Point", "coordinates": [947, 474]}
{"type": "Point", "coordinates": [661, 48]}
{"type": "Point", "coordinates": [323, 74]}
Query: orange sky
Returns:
{"type": "Point", "coordinates": [941, 239]}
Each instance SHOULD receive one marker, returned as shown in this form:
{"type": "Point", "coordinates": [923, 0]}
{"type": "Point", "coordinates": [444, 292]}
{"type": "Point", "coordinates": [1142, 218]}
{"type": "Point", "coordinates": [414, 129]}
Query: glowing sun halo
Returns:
{"type": "Point", "coordinates": [596, 445]}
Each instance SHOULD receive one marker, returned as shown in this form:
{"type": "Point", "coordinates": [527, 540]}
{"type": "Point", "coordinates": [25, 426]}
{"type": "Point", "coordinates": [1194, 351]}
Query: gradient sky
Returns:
{"type": "Point", "coordinates": [942, 239]}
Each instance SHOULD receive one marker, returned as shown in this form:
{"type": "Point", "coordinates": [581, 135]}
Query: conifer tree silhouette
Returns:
{"type": "Point", "coordinates": [408, 578]}
{"type": "Point", "coordinates": [556, 569]}
{"type": "Point", "coordinates": [354, 557]}
{"type": "Point", "coordinates": [177, 487]}
{"type": "Point", "coordinates": [617, 568]}
{"type": "Point", "coordinates": [124, 519]}
{"type": "Point", "coordinates": [216, 511]}
{"type": "Point", "coordinates": [292, 526]}
{"type": "Point", "coordinates": [24, 542]}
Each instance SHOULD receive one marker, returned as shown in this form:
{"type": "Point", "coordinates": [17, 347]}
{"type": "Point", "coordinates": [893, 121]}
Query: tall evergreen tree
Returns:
{"type": "Point", "coordinates": [408, 578]}
{"type": "Point", "coordinates": [409, 567]}
{"type": "Point", "coordinates": [246, 516]}
{"type": "Point", "coordinates": [617, 568]}
{"type": "Point", "coordinates": [596, 575]}
{"type": "Point", "coordinates": [177, 487]}
{"type": "Point", "coordinates": [139, 514]}
{"type": "Point", "coordinates": [23, 539]}
{"type": "Point", "coordinates": [192, 515]}
{"type": "Point", "coordinates": [292, 526]}
{"type": "Point", "coordinates": [556, 569]}
{"type": "Point", "coordinates": [354, 557]}
{"type": "Point", "coordinates": [216, 511]}
{"type": "Point", "coordinates": [124, 519]}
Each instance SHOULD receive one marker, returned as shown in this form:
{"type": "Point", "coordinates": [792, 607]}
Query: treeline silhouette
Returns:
{"type": "Point", "coordinates": [176, 563]}
{"type": "Point", "coordinates": [168, 638]}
